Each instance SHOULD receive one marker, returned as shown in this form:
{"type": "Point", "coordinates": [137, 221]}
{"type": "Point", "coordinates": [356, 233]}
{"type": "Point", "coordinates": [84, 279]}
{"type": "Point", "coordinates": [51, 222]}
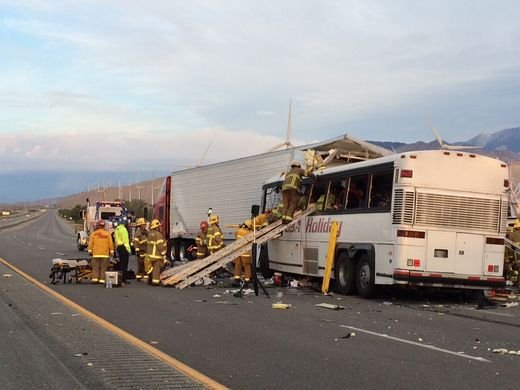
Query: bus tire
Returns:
{"type": "Point", "coordinates": [365, 276]}
{"type": "Point", "coordinates": [344, 271]}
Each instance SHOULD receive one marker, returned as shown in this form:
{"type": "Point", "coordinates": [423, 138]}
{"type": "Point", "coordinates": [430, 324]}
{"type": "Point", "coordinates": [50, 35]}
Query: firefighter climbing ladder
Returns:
{"type": "Point", "coordinates": [199, 269]}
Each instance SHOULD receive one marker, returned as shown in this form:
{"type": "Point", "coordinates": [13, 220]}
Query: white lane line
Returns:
{"type": "Point", "coordinates": [41, 248]}
{"type": "Point", "coordinates": [383, 335]}
{"type": "Point", "coordinates": [61, 254]}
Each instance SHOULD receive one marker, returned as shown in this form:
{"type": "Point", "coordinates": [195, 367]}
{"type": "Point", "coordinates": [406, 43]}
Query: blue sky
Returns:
{"type": "Point", "coordinates": [156, 83]}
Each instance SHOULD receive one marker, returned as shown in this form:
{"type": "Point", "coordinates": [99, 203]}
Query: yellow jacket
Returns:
{"type": "Point", "coordinates": [100, 244]}
{"type": "Point", "coordinates": [240, 233]}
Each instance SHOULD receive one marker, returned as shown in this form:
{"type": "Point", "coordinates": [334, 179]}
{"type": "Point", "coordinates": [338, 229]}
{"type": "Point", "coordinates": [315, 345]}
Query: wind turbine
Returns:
{"type": "Point", "coordinates": [287, 142]}
{"type": "Point", "coordinates": [201, 161]}
{"type": "Point", "coordinates": [204, 155]}
{"type": "Point", "coordinates": [446, 146]}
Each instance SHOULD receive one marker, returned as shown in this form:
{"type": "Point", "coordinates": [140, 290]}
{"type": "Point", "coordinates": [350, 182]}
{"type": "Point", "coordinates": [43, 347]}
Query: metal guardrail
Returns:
{"type": "Point", "coordinates": [18, 219]}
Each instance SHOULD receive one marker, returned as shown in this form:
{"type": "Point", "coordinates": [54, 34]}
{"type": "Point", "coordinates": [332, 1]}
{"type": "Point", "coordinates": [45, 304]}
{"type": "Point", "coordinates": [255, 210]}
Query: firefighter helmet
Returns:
{"type": "Point", "coordinates": [155, 224]}
{"type": "Point", "coordinates": [214, 219]}
{"type": "Point", "coordinates": [517, 224]}
{"type": "Point", "coordinates": [248, 223]}
{"type": "Point", "coordinates": [203, 225]}
{"type": "Point", "coordinates": [296, 164]}
{"type": "Point", "coordinates": [100, 224]}
{"type": "Point", "coordinates": [140, 222]}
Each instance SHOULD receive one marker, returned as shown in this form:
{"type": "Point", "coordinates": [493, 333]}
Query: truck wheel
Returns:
{"type": "Point", "coordinates": [344, 272]}
{"type": "Point", "coordinates": [365, 277]}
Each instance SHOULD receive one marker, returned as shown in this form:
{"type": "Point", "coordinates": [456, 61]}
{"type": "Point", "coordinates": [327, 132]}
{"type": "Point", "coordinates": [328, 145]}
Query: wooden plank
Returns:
{"type": "Point", "coordinates": [269, 232]}
{"type": "Point", "coordinates": [229, 249]}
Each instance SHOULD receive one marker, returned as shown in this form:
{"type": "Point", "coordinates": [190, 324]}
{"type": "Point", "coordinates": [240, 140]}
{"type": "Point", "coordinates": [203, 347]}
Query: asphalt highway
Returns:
{"type": "Point", "coordinates": [400, 340]}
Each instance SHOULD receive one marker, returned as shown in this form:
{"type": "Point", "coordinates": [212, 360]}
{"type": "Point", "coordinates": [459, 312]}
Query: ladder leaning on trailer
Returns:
{"type": "Point", "coordinates": [184, 276]}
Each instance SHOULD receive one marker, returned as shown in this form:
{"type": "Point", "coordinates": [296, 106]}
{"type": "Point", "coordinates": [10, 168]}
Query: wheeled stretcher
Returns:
{"type": "Point", "coordinates": [77, 268]}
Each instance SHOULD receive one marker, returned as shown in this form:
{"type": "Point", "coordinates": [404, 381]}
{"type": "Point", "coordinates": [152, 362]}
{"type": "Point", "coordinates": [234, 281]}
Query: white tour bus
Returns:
{"type": "Point", "coordinates": [426, 218]}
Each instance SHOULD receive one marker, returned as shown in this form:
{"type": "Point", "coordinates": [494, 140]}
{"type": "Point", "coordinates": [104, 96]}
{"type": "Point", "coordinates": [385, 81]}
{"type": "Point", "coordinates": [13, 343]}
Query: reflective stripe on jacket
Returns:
{"type": "Point", "coordinates": [293, 179]}
{"type": "Point", "coordinates": [100, 244]}
{"type": "Point", "coordinates": [202, 244]}
{"type": "Point", "coordinates": [156, 245]}
{"type": "Point", "coordinates": [139, 240]}
{"type": "Point", "coordinates": [215, 238]}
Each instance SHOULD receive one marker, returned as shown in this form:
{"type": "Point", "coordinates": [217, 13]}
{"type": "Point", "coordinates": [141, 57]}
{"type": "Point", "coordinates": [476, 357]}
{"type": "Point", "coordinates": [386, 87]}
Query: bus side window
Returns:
{"type": "Point", "coordinates": [318, 194]}
{"type": "Point", "coordinates": [357, 190]}
{"type": "Point", "coordinates": [381, 190]}
{"type": "Point", "coordinates": [336, 197]}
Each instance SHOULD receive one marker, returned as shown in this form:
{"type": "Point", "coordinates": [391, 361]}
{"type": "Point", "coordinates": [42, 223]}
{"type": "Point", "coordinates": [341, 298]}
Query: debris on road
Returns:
{"type": "Point", "coordinates": [7, 275]}
{"type": "Point", "coordinates": [205, 281]}
{"type": "Point", "coordinates": [349, 335]}
{"type": "Point", "coordinates": [503, 351]}
{"type": "Point", "coordinates": [282, 306]}
{"type": "Point", "coordinates": [329, 306]}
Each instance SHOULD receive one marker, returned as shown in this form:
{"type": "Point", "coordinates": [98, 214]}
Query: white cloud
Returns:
{"type": "Point", "coordinates": [169, 69]}
{"type": "Point", "coordinates": [126, 152]}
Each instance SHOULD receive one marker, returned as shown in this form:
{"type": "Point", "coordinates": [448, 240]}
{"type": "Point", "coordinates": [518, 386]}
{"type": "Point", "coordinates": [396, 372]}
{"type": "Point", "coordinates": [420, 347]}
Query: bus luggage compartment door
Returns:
{"type": "Point", "coordinates": [440, 252]}
{"type": "Point", "coordinates": [469, 255]}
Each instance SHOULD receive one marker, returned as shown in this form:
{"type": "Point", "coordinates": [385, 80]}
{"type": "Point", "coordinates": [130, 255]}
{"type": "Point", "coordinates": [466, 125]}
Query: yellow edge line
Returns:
{"type": "Point", "coordinates": [190, 372]}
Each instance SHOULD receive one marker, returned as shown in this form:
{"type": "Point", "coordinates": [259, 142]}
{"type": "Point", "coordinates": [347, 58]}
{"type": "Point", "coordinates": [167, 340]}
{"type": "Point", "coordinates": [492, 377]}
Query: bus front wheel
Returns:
{"type": "Point", "coordinates": [344, 270]}
{"type": "Point", "coordinates": [365, 277]}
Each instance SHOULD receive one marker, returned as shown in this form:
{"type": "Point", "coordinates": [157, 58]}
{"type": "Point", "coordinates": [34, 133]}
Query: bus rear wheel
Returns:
{"type": "Point", "coordinates": [344, 270]}
{"type": "Point", "coordinates": [365, 277]}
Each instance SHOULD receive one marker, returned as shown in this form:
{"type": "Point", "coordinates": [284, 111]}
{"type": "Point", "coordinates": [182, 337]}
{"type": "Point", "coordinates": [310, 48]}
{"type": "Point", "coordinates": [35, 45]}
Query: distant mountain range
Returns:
{"type": "Point", "coordinates": [504, 144]}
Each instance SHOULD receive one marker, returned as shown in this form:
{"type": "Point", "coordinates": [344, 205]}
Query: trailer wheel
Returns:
{"type": "Point", "coordinates": [171, 250]}
{"type": "Point", "coordinates": [344, 272]}
{"type": "Point", "coordinates": [365, 277]}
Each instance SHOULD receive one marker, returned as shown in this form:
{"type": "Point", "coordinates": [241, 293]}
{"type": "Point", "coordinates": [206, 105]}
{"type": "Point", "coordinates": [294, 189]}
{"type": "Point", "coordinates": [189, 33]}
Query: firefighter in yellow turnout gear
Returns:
{"type": "Point", "coordinates": [291, 189]}
{"type": "Point", "coordinates": [215, 235]}
{"type": "Point", "coordinates": [243, 262]}
{"type": "Point", "coordinates": [202, 241]}
{"type": "Point", "coordinates": [139, 242]}
{"type": "Point", "coordinates": [155, 252]}
{"type": "Point", "coordinates": [101, 248]}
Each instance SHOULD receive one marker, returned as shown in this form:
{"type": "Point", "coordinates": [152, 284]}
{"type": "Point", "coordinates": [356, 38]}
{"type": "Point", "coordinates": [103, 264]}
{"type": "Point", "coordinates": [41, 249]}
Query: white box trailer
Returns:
{"type": "Point", "coordinates": [231, 188]}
